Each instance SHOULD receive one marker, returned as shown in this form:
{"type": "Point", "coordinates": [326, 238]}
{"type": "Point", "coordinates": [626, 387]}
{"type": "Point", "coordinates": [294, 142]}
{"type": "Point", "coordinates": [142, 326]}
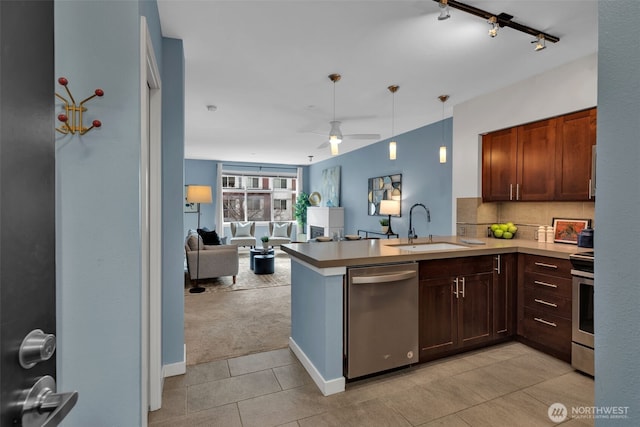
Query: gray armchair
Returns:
{"type": "Point", "coordinates": [243, 234]}
{"type": "Point", "coordinates": [280, 233]}
{"type": "Point", "coordinates": [215, 260]}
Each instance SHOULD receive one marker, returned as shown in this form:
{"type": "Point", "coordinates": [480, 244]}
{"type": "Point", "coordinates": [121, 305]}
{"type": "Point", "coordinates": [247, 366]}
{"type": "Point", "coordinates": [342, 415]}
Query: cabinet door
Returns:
{"type": "Point", "coordinates": [576, 135]}
{"type": "Point", "coordinates": [499, 151]}
{"type": "Point", "coordinates": [504, 295]}
{"type": "Point", "coordinates": [536, 154]}
{"type": "Point", "coordinates": [438, 314]}
{"type": "Point", "coordinates": [474, 308]}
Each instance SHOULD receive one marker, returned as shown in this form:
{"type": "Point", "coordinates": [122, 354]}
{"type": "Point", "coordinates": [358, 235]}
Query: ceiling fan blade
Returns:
{"type": "Point", "coordinates": [362, 136]}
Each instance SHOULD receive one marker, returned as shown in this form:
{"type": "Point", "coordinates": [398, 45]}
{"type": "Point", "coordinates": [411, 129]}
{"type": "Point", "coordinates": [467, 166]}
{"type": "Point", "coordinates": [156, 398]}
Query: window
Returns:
{"type": "Point", "coordinates": [261, 198]}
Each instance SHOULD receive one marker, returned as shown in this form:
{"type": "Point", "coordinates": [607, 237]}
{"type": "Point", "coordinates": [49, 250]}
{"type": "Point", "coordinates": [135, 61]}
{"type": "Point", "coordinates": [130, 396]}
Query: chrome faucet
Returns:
{"type": "Point", "coordinates": [412, 232]}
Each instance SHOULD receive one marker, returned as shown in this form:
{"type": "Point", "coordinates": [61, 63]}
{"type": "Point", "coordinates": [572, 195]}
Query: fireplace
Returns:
{"type": "Point", "coordinates": [324, 221]}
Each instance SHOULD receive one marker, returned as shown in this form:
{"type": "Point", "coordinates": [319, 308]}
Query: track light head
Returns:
{"type": "Point", "coordinates": [540, 43]}
{"type": "Point", "coordinates": [444, 10]}
{"type": "Point", "coordinates": [493, 31]}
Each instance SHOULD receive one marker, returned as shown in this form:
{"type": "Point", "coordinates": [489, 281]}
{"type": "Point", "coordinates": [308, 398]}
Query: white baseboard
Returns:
{"type": "Point", "coordinates": [178, 368]}
{"type": "Point", "coordinates": [327, 387]}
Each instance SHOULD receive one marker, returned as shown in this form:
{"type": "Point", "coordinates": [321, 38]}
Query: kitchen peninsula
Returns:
{"type": "Point", "coordinates": [318, 280]}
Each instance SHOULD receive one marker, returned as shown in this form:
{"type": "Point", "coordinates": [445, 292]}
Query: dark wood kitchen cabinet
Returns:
{"type": "Point", "coordinates": [505, 278]}
{"type": "Point", "coordinates": [576, 138]}
{"type": "Point", "coordinates": [515, 163]}
{"type": "Point", "coordinates": [456, 299]}
{"type": "Point", "coordinates": [544, 304]}
{"type": "Point", "coordinates": [545, 160]}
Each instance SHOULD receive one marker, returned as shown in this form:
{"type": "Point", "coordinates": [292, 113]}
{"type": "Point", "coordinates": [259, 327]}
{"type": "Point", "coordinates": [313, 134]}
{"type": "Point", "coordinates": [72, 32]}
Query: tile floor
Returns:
{"type": "Point", "coordinates": [505, 385]}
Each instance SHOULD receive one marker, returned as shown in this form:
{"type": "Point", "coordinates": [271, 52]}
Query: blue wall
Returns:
{"type": "Point", "coordinates": [172, 188]}
{"type": "Point", "coordinates": [424, 180]}
{"type": "Point", "coordinates": [617, 293]}
{"type": "Point", "coordinates": [97, 211]}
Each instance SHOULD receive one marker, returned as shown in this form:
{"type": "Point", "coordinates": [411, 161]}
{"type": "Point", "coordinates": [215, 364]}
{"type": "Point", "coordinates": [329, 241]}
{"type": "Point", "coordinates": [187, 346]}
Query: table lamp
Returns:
{"type": "Point", "coordinates": [390, 207]}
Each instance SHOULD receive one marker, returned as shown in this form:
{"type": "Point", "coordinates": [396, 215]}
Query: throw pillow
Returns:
{"type": "Point", "coordinates": [209, 237]}
{"type": "Point", "coordinates": [193, 242]}
{"type": "Point", "coordinates": [280, 230]}
{"type": "Point", "coordinates": [243, 229]}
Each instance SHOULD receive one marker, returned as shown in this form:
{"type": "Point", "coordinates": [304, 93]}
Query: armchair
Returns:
{"type": "Point", "coordinates": [215, 260]}
{"type": "Point", "coordinates": [280, 232]}
{"type": "Point", "coordinates": [243, 234]}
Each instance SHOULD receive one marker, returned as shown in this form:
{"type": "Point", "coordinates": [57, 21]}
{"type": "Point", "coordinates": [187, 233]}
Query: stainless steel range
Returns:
{"type": "Point", "coordinates": [582, 312]}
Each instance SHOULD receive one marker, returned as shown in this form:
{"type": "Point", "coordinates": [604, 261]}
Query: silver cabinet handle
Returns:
{"type": "Point", "coordinates": [462, 287]}
{"type": "Point", "coordinates": [541, 301]}
{"type": "Point", "coordinates": [548, 285]}
{"type": "Point", "coordinates": [510, 191]}
{"type": "Point", "coordinates": [384, 278]}
{"type": "Point", "coordinates": [517, 191]}
{"type": "Point", "coordinates": [546, 322]}
{"type": "Point", "coordinates": [542, 264]}
{"type": "Point", "coordinates": [43, 407]}
{"type": "Point", "coordinates": [590, 193]}
{"type": "Point", "coordinates": [455, 282]}
{"type": "Point", "coordinates": [498, 262]}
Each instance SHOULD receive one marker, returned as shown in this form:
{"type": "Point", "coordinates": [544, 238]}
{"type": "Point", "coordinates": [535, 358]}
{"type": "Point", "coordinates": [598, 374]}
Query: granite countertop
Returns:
{"type": "Point", "coordinates": [348, 253]}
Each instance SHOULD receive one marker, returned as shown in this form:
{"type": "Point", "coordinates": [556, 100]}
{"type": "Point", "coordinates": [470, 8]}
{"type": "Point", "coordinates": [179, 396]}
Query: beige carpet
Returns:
{"type": "Point", "coordinates": [228, 320]}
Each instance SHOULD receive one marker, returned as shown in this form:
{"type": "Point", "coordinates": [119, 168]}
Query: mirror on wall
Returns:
{"type": "Point", "coordinates": [381, 188]}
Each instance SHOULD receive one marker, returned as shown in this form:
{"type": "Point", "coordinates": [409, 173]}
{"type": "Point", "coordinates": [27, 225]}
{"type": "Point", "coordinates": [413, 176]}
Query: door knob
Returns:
{"type": "Point", "coordinates": [36, 347]}
{"type": "Point", "coordinates": [41, 406]}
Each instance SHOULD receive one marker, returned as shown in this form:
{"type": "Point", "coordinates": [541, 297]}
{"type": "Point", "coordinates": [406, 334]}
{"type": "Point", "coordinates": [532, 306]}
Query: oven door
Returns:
{"type": "Point", "coordinates": [582, 311]}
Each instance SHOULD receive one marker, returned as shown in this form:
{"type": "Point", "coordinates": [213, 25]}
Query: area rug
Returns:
{"type": "Point", "coordinates": [228, 320]}
{"type": "Point", "coordinates": [246, 278]}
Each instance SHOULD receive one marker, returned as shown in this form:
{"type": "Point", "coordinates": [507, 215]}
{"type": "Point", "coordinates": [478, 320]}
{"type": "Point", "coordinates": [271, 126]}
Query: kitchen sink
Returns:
{"type": "Point", "coordinates": [430, 247]}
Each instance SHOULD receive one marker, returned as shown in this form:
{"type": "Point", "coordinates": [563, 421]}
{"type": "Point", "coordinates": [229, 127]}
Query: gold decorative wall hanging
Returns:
{"type": "Point", "coordinates": [72, 117]}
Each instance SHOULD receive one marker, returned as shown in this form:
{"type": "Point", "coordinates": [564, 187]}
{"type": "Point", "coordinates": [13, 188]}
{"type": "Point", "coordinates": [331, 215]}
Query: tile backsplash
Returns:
{"type": "Point", "coordinates": [473, 216]}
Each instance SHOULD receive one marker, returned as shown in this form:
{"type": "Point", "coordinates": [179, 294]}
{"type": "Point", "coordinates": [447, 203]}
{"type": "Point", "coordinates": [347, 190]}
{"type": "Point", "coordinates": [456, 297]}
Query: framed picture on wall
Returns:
{"type": "Point", "coordinates": [188, 207]}
{"type": "Point", "coordinates": [567, 230]}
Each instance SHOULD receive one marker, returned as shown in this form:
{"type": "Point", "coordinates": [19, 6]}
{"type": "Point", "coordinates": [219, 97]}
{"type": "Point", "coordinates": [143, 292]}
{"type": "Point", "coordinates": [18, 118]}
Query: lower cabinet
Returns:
{"type": "Point", "coordinates": [462, 305]}
{"type": "Point", "coordinates": [544, 304]}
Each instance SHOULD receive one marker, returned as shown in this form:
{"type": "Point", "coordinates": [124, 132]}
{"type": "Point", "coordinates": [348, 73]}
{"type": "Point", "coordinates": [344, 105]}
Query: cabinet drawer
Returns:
{"type": "Point", "coordinates": [453, 267]}
{"type": "Point", "coordinates": [547, 265]}
{"type": "Point", "coordinates": [549, 302]}
{"type": "Point", "coordinates": [548, 283]}
{"type": "Point", "coordinates": [548, 330]}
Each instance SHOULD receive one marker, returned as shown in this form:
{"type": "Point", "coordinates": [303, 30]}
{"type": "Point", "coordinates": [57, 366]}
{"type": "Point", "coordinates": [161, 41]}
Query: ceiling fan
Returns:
{"type": "Point", "coordinates": [335, 134]}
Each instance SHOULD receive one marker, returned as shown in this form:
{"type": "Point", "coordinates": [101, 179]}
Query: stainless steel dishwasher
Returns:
{"type": "Point", "coordinates": [381, 325]}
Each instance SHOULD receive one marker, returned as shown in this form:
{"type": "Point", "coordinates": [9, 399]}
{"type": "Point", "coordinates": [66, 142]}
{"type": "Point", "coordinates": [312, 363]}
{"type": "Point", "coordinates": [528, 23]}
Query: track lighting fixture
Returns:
{"type": "Point", "coordinates": [496, 20]}
{"type": "Point", "coordinates": [540, 43]}
{"type": "Point", "coordinates": [493, 31]}
{"type": "Point", "coordinates": [444, 10]}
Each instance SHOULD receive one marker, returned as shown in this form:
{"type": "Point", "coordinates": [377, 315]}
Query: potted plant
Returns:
{"type": "Point", "coordinates": [265, 243]}
{"type": "Point", "coordinates": [384, 222]}
{"type": "Point", "coordinates": [302, 203]}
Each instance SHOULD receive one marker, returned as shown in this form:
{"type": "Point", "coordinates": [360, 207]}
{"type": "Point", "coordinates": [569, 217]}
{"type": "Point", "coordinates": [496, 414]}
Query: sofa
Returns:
{"type": "Point", "coordinates": [280, 233]}
{"type": "Point", "coordinates": [215, 260]}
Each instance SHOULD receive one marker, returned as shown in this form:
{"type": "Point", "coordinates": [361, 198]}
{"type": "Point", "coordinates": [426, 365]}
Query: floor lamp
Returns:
{"type": "Point", "coordinates": [390, 207]}
{"type": "Point", "coordinates": [198, 194]}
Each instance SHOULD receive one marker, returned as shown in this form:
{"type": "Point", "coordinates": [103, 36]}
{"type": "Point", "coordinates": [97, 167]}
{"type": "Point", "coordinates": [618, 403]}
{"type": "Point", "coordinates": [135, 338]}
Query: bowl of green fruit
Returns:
{"type": "Point", "coordinates": [505, 230]}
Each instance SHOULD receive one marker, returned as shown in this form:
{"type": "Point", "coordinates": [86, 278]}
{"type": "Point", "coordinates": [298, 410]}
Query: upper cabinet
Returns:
{"type": "Point", "coordinates": [576, 138]}
{"type": "Point", "coordinates": [541, 161]}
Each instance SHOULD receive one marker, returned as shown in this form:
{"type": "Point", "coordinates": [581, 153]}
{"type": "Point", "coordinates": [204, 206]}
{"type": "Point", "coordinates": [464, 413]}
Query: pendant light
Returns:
{"type": "Point", "coordinates": [443, 147]}
{"type": "Point", "coordinates": [392, 145]}
{"type": "Point", "coordinates": [335, 135]}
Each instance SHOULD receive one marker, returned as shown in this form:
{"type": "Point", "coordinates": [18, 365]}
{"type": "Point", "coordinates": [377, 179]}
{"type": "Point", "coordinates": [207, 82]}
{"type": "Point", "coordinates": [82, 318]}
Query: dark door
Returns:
{"type": "Point", "coordinates": [438, 317]}
{"type": "Point", "coordinates": [27, 217]}
{"type": "Point", "coordinates": [499, 151]}
{"type": "Point", "coordinates": [536, 156]}
{"type": "Point", "coordinates": [474, 325]}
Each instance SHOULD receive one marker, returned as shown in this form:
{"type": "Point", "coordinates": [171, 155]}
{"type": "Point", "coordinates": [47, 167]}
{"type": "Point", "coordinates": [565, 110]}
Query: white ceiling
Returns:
{"type": "Point", "coordinates": [265, 63]}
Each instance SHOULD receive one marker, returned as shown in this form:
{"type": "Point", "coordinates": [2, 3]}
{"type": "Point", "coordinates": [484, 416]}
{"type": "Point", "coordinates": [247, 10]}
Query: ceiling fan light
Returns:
{"type": "Point", "coordinates": [334, 148]}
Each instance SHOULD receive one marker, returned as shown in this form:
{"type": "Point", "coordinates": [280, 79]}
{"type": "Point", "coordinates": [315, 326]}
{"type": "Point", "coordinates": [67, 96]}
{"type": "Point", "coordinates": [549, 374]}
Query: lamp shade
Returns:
{"type": "Point", "coordinates": [199, 194]}
{"type": "Point", "coordinates": [390, 207]}
{"type": "Point", "coordinates": [443, 154]}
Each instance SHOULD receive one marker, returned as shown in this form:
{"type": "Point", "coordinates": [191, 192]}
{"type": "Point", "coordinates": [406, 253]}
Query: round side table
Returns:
{"type": "Point", "coordinates": [254, 252]}
{"type": "Point", "coordinates": [263, 264]}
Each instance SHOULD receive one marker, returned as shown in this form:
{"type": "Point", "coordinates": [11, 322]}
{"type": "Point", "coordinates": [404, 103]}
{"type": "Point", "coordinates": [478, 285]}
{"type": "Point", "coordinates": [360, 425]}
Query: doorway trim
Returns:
{"type": "Point", "coordinates": [151, 289]}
